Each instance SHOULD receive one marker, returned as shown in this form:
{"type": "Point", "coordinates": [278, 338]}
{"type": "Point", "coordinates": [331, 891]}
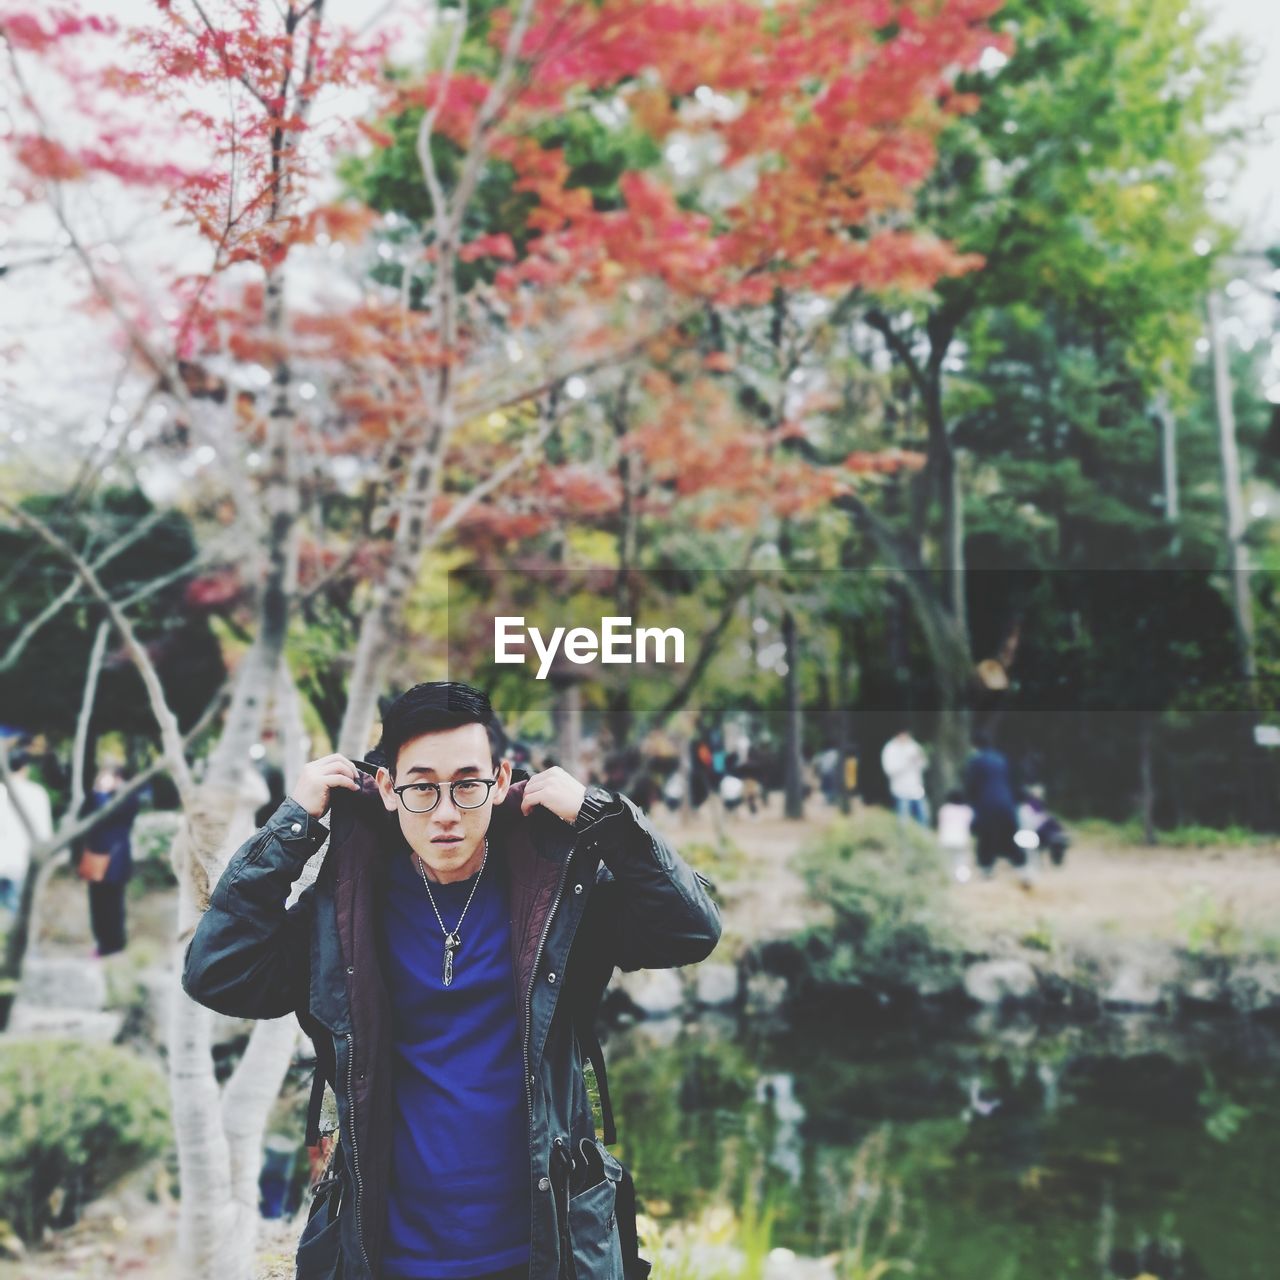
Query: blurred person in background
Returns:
{"type": "Point", "coordinates": [955, 824]}
{"type": "Point", "coordinates": [107, 861]}
{"type": "Point", "coordinates": [15, 839]}
{"type": "Point", "coordinates": [904, 761]}
{"type": "Point", "coordinates": [988, 786]}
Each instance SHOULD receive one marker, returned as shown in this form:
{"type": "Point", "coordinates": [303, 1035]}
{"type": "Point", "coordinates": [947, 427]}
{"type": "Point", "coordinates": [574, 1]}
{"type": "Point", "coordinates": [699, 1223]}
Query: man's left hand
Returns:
{"type": "Point", "coordinates": [556, 790]}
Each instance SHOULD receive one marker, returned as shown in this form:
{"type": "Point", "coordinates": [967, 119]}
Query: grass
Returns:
{"type": "Point", "coordinates": [1187, 836]}
{"type": "Point", "coordinates": [721, 861]}
{"type": "Point", "coordinates": [728, 1243]}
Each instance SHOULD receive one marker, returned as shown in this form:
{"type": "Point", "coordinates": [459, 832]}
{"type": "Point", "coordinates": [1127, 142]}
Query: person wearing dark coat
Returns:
{"type": "Point", "coordinates": [112, 836]}
{"type": "Point", "coordinates": [988, 787]}
{"type": "Point", "coordinates": [446, 964]}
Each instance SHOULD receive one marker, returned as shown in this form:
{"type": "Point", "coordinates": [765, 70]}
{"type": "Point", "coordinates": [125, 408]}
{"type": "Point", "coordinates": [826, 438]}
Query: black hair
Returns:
{"type": "Point", "coordinates": [430, 708]}
{"type": "Point", "coordinates": [955, 796]}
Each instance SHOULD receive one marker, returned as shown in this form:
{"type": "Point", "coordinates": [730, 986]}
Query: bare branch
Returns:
{"type": "Point", "coordinates": [73, 827]}
{"type": "Point", "coordinates": [900, 347]}
{"type": "Point", "coordinates": [137, 339]}
{"type": "Point", "coordinates": [426, 128]}
{"type": "Point", "coordinates": [487, 117]}
{"type": "Point", "coordinates": [165, 719]}
{"type": "Point", "coordinates": [468, 409]}
{"type": "Point", "coordinates": [708, 647]}
{"type": "Point", "coordinates": [69, 593]}
{"type": "Point", "coordinates": [494, 480]}
{"type": "Point", "coordinates": [85, 717]}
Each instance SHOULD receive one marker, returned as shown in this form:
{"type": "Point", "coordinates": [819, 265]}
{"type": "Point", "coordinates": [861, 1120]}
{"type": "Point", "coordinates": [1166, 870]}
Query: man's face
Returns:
{"type": "Point", "coordinates": [449, 840]}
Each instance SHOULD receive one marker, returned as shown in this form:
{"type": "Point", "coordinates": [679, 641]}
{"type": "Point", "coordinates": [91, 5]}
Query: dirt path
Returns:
{"type": "Point", "coordinates": [1170, 895]}
{"type": "Point", "coordinates": [1104, 891]}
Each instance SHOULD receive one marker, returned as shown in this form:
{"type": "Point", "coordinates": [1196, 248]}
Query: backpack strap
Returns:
{"type": "Point", "coordinates": [314, 1105]}
{"type": "Point", "coordinates": [589, 1042]}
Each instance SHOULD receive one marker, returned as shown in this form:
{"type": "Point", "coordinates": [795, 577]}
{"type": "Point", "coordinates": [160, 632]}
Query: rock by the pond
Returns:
{"type": "Point", "coordinates": [782, 1264]}
{"type": "Point", "coordinates": [716, 984]}
{"type": "Point", "coordinates": [654, 992]}
{"type": "Point", "coordinates": [1255, 987]}
{"type": "Point", "coordinates": [63, 982]}
{"type": "Point", "coordinates": [1000, 981]}
{"type": "Point", "coordinates": [1135, 986]}
{"type": "Point", "coordinates": [724, 1260]}
{"type": "Point", "coordinates": [700, 1260]}
{"type": "Point", "coordinates": [1203, 991]}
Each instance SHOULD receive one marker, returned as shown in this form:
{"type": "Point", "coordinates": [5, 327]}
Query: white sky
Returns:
{"type": "Point", "coordinates": [1255, 202]}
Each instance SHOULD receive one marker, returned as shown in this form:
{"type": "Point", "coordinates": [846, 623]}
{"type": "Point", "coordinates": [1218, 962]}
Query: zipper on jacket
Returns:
{"type": "Point", "coordinates": [528, 1014]}
{"type": "Point", "coordinates": [355, 1155]}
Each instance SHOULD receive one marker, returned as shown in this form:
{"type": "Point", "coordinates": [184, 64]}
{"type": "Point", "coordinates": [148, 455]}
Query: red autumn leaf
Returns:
{"type": "Point", "coordinates": [498, 245]}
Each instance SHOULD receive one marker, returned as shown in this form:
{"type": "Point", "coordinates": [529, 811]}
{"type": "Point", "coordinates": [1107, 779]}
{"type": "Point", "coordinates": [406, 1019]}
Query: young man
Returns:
{"type": "Point", "coordinates": [460, 923]}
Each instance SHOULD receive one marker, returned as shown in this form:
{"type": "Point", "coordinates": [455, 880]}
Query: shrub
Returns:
{"type": "Point", "coordinates": [885, 883]}
{"type": "Point", "coordinates": [74, 1117]}
{"type": "Point", "coordinates": [153, 836]}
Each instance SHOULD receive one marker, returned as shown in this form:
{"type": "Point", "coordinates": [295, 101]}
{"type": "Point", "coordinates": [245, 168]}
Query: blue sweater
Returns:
{"type": "Point", "coordinates": [459, 1196]}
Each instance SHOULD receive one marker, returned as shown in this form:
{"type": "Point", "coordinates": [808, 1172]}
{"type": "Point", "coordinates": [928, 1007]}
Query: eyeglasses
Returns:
{"type": "Point", "coordinates": [466, 793]}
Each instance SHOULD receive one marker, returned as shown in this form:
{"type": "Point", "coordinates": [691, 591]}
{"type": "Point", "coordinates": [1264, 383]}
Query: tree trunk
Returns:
{"type": "Point", "coordinates": [952, 747]}
{"type": "Point", "coordinates": [217, 1228]}
{"type": "Point", "coordinates": [1233, 506]}
{"type": "Point", "coordinates": [210, 1222]}
{"type": "Point", "coordinates": [953, 538]}
{"type": "Point", "coordinates": [1146, 780]}
{"type": "Point", "coordinates": [844, 730]}
{"type": "Point", "coordinates": [948, 645]}
{"type": "Point", "coordinates": [567, 716]}
{"type": "Point", "coordinates": [793, 745]}
{"type": "Point", "coordinates": [625, 604]}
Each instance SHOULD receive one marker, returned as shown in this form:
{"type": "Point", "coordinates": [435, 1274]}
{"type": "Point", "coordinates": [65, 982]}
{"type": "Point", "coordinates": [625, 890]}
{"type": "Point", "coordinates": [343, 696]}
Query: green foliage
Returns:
{"type": "Point", "coordinates": [1041, 938]}
{"type": "Point", "coordinates": [1223, 1114]}
{"type": "Point", "coordinates": [153, 835]}
{"type": "Point", "coordinates": [1080, 176]}
{"type": "Point", "coordinates": [1209, 926]}
{"type": "Point", "coordinates": [755, 1234]}
{"type": "Point", "coordinates": [43, 690]}
{"type": "Point", "coordinates": [867, 1202]}
{"type": "Point", "coordinates": [721, 862]}
{"type": "Point", "coordinates": [73, 1118]}
{"type": "Point", "coordinates": [689, 1111]}
{"type": "Point", "coordinates": [885, 882]}
{"type": "Point", "coordinates": [597, 149]}
{"type": "Point", "coordinates": [1187, 836]}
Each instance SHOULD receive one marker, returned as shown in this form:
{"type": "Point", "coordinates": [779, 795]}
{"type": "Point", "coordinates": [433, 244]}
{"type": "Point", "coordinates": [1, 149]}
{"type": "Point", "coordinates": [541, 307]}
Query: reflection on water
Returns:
{"type": "Point", "coordinates": [984, 1150]}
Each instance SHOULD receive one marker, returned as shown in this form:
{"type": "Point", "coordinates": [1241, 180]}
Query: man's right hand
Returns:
{"type": "Point", "coordinates": [314, 787]}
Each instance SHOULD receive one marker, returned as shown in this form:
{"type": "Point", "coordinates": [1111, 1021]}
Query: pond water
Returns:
{"type": "Point", "coordinates": [985, 1149]}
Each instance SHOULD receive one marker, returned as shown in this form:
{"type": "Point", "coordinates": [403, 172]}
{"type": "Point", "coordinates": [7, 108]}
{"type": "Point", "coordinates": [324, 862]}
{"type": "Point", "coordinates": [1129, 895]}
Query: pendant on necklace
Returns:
{"type": "Point", "coordinates": [452, 941]}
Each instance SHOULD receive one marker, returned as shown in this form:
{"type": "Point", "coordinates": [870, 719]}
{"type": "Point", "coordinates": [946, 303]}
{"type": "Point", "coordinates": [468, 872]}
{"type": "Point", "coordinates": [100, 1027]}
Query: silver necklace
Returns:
{"type": "Point", "coordinates": [452, 939]}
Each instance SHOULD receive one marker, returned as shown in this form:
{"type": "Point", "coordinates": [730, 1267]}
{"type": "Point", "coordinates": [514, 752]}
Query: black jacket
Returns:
{"type": "Point", "coordinates": [581, 903]}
